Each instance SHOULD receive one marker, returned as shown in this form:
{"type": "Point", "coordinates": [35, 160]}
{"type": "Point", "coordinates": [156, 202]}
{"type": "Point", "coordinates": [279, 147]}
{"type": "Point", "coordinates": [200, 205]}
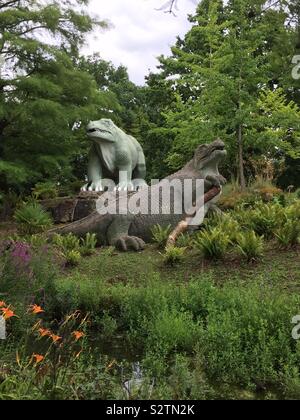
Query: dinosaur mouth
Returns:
{"type": "Point", "coordinates": [97, 130]}
{"type": "Point", "coordinates": [220, 147]}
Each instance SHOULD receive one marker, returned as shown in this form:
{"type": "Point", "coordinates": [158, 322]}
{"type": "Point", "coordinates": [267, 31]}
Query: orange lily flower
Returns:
{"type": "Point", "coordinates": [7, 313]}
{"type": "Point", "coordinates": [2, 303]}
{"type": "Point", "coordinates": [55, 338]}
{"type": "Point", "coordinates": [35, 309]}
{"type": "Point", "coordinates": [38, 358]}
{"type": "Point", "coordinates": [44, 332]}
{"type": "Point", "coordinates": [78, 335]}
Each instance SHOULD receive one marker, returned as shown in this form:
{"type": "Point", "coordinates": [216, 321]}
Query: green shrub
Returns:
{"type": "Point", "coordinates": [247, 337]}
{"type": "Point", "coordinates": [289, 234]}
{"type": "Point", "coordinates": [45, 190]}
{"type": "Point", "coordinates": [213, 243]}
{"type": "Point", "coordinates": [88, 244]}
{"type": "Point", "coordinates": [227, 224]}
{"type": "Point", "coordinates": [171, 330]}
{"type": "Point", "coordinates": [293, 211]}
{"type": "Point", "coordinates": [69, 248]}
{"type": "Point", "coordinates": [184, 240]}
{"type": "Point", "coordinates": [109, 325]}
{"type": "Point", "coordinates": [37, 241]}
{"type": "Point", "coordinates": [250, 245]}
{"type": "Point", "coordinates": [160, 235]}
{"type": "Point", "coordinates": [72, 257]}
{"type": "Point", "coordinates": [173, 255]}
{"type": "Point", "coordinates": [264, 219]}
{"type": "Point", "coordinates": [66, 243]}
{"type": "Point", "coordinates": [32, 218]}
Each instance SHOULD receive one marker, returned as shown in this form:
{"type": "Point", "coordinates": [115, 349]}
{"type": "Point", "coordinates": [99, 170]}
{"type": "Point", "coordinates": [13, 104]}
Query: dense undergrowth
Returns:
{"type": "Point", "coordinates": [210, 325]}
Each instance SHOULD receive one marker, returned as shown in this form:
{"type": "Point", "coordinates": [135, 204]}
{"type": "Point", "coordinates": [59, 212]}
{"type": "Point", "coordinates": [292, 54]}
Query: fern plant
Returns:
{"type": "Point", "coordinates": [160, 235]}
{"type": "Point", "coordinates": [293, 211]}
{"type": "Point", "coordinates": [72, 257]}
{"type": "Point", "coordinates": [264, 219]}
{"type": "Point", "coordinates": [88, 244]}
{"type": "Point", "coordinates": [289, 234]}
{"type": "Point", "coordinates": [212, 243]}
{"type": "Point", "coordinates": [45, 190]}
{"type": "Point", "coordinates": [32, 219]}
{"type": "Point", "coordinates": [250, 245]}
{"type": "Point", "coordinates": [184, 241]}
{"type": "Point", "coordinates": [66, 243]}
{"type": "Point", "coordinates": [173, 255]}
{"type": "Point", "coordinates": [228, 225]}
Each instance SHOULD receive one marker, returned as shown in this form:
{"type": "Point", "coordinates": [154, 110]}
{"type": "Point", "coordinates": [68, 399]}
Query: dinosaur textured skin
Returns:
{"type": "Point", "coordinates": [131, 231]}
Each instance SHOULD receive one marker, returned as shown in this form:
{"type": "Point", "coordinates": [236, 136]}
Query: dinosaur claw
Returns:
{"type": "Point", "coordinates": [126, 243]}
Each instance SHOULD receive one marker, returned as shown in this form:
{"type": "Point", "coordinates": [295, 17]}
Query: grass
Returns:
{"type": "Point", "coordinates": [233, 330]}
{"type": "Point", "coordinates": [202, 328]}
{"type": "Point", "coordinates": [135, 269]}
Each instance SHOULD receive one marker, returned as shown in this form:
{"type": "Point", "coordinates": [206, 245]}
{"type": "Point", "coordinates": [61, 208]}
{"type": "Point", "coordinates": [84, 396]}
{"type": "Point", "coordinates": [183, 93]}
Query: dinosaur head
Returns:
{"type": "Point", "coordinates": [210, 155]}
{"type": "Point", "coordinates": [102, 130]}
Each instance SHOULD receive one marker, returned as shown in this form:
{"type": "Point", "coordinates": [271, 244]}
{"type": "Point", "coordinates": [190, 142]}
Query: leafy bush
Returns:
{"type": "Point", "coordinates": [69, 248]}
{"type": "Point", "coordinates": [264, 219]}
{"type": "Point", "coordinates": [213, 243]}
{"type": "Point", "coordinates": [289, 234]}
{"type": "Point", "coordinates": [247, 338]}
{"type": "Point", "coordinates": [250, 245]}
{"type": "Point", "coordinates": [227, 224]}
{"type": "Point", "coordinates": [184, 241]}
{"type": "Point", "coordinates": [173, 329]}
{"type": "Point", "coordinates": [72, 257]}
{"type": "Point", "coordinates": [66, 243]}
{"type": "Point", "coordinates": [32, 218]}
{"type": "Point", "coordinates": [88, 244]}
{"type": "Point", "coordinates": [45, 190]}
{"type": "Point", "coordinates": [260, 190]}
{"type": "Point", "coordinates": [173, 255]}
{"type": "Point", "coordinates": [37, 241]}
{"type": "Point", "coordinates": [160, 235]}
{"type": "Point", "coordinates": [293, 211]}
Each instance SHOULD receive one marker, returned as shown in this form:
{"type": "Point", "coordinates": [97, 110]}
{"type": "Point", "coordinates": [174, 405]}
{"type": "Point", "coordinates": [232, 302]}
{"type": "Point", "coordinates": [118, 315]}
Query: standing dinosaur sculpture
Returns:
{"type": "Point", "coordinates": [127, 230]}
{"type": "Point", "coordinates": [116, 156]}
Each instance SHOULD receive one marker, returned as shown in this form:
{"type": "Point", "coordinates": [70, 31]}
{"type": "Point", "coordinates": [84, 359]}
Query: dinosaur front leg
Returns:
{"type": "Point", "coordinates": [94, 173]}
{"type": "Point", "coordinates": [117, 235]}
{"type": "Point", "coordinates": [125, 178]}
{"type": "Point", "coordinates": [139, 172]}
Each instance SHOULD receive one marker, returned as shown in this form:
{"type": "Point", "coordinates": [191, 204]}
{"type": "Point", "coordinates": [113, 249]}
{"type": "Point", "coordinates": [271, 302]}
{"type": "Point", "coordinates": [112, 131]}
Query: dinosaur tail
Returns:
{"type": "Point", "coordinates": [93, 223]}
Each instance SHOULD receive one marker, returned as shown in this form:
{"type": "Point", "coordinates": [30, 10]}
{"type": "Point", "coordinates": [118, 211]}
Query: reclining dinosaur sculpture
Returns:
{"type": "Point", "coordinates": [127, 230]}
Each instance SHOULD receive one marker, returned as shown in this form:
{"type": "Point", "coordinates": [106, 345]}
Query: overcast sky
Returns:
{"type": "Point", "coordinates": [139, 33]}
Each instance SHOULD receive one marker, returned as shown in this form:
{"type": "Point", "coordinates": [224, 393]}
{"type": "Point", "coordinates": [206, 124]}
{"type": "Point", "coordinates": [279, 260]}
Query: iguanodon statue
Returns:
{"type": "Point", "coordinates": [131, 231]}
{"type": "Point", "coordinates": [114, 156]}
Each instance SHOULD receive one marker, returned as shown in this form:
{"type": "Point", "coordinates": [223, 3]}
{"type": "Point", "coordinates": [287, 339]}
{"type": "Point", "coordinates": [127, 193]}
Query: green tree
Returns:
{"type": "Point", "coordinates": [232, 53]}
{"type": "Point", "coordinates": [139, 111]}
{"type": "Point", "coordinates": [44, 99]}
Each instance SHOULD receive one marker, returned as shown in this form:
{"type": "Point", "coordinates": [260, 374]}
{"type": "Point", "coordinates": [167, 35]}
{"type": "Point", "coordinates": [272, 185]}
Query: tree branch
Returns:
{"type": "Point", "coordinates": [8, 3]}
{"type": "Point", "coordinates": [170, 5]}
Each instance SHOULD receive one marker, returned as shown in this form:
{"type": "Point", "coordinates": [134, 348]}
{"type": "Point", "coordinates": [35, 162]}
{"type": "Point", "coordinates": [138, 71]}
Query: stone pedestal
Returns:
{"type": "Point", "coordinates": [70, 209]}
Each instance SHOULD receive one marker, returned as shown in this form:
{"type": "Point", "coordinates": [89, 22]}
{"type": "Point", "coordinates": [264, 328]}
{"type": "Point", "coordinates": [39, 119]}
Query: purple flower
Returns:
{"type": "Point", "coordinates": [21, 253]}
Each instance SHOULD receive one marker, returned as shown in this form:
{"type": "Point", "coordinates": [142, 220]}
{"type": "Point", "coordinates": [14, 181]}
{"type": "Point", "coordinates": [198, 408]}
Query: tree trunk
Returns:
{"type": "Point", "coordinates": [241, 171]}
